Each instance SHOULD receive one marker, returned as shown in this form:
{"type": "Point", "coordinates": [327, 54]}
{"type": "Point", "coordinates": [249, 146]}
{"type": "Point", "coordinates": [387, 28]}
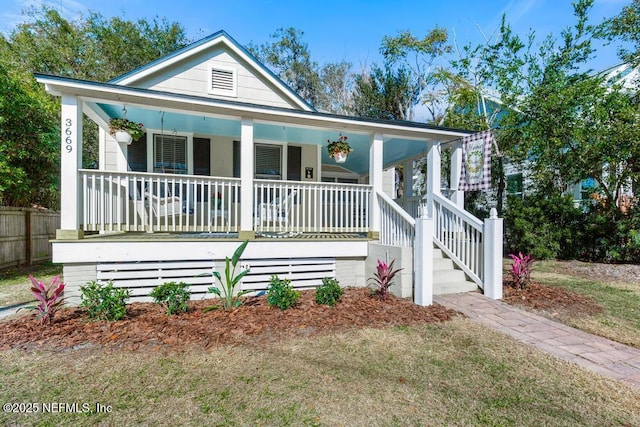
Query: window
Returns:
{"type": "Point", "coordinates": [222, 81]}
{"type": "Point", "coordinates": [268, 160]}
{"type": "Point", "coordinates": [202, 156]}
{"type": "Point", "coordinates": [514, 185]}
{"type": "Point", "coordinates": [587, 188]}
{"type": "Point", "coordinates": [169, 154]}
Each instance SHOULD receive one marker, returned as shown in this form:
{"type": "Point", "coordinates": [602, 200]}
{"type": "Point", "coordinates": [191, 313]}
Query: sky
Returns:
{"type": "Point", "coordinates": [337, 30]}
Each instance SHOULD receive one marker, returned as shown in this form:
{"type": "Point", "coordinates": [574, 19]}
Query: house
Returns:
{"type": "Point", "coordinates": [230, 153]}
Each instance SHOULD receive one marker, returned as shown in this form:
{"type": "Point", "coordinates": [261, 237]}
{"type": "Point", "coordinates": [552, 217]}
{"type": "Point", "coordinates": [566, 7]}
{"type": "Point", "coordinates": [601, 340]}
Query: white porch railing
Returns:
{"type": "Point", "coordinates": [397, 227]}
{"type": "Point", "coordinates": [137, 201]}
{"type": "Point", "coordinates": [460, 236]}
{"type": "Point", "coordinates": [294, 206]}
{"type": "Point", "coordinates": [412, 205]}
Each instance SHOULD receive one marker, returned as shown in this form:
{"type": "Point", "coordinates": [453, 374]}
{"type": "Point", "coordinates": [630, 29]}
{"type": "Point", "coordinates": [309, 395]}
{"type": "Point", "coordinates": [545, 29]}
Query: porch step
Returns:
{"type": "Point", "coordinates": [447, 279]}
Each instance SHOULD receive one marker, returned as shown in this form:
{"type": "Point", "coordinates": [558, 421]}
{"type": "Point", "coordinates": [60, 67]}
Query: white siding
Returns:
{"type": "Point", "coordinates": [191, 77]}
{"type": "Point", "coordinates": [74, 276]}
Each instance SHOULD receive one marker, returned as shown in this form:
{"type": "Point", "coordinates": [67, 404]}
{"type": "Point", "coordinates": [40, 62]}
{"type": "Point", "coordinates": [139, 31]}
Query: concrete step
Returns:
{"type": "Point", "coordinates": [447, 278]}
{"type": "Point", "coordinates": [454, 287]}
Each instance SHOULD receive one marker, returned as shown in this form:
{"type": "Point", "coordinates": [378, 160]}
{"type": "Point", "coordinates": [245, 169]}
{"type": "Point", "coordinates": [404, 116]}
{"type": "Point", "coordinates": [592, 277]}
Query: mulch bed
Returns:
{"type": "Point", "coordinates": [550, 300]}
{"type": "Point", "coordinates": [148, 327]}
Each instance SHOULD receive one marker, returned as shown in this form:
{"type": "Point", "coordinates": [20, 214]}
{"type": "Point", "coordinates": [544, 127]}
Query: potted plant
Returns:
{"type": "Point", "coordinates": [339, 149]}
{"type": "Point", "coordinates": [125, 130]}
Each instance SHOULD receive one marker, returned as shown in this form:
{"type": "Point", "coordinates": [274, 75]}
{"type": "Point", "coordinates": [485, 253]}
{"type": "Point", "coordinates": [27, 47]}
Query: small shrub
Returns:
{"type": "Point", "coordinates": [329, 293]}
{"type": "Point", "coordinates": [174, 296]}
{"type": "Point", "coordinates": [227, 287]}
{"type": "Point", "coordinates": [281, 294]}
{"type": "Point", "coordinates": [383, 278]}
{"type": "Point", "coordinates": [104, 302]}
{"type": "Point", "coordinates": [48, 297]}
{"type": "Point", "coordinates": [521, 270]}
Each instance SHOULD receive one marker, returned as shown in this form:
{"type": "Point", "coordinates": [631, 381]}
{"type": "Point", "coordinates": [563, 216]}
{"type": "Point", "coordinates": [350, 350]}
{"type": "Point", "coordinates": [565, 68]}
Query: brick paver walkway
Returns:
{"type": "Point", "coordinates": [598, 354]}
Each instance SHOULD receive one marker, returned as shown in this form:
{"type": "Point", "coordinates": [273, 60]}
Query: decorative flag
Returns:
{"type": "Point", "coordinates": [476, 161]}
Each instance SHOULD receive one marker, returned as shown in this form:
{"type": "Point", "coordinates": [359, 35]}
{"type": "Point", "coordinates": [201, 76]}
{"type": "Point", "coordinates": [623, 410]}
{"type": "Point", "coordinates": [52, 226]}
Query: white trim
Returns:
{"type": "Point", "coordinates": [99, 250]}
{"type": "Point", "coordinates": [150, 147]}
{"type": "Point", "coordinates": [70, 161]}
{"type": "Point", "coordinates": [259, 114]}
{"type": "Point", "coordinates": [222, 39]}
{"type": "Point", "coordinates": [233, 92]}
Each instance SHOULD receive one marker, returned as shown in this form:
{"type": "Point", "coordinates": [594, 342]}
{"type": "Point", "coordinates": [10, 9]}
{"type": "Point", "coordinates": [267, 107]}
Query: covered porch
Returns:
{"type": "Point", "coordinates": [207, 165]}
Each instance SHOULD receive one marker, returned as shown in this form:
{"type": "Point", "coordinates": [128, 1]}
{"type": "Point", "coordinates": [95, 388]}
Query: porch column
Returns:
{"type": "Point", "coordinates": [492, 246]}
{"type": "Point", "coordinates": [246, 180]}
{"type": "Point", "coordinates": [70, 162]}
{"type": "Point", "coordinates": [407, 177]}
{"type": "Point", "coordinates": [457, 196]}
{"type": "Point", "coordinates": [433, 175]}
{"type": "Point", "coordinates": [375, 180]}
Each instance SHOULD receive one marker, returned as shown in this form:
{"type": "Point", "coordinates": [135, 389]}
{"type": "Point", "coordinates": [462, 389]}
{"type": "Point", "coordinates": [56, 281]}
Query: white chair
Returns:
{"type": "Point", "coordinates": [276, 212]}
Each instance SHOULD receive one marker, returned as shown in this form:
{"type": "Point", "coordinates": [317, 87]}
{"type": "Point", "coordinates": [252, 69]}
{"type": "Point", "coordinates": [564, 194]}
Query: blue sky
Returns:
{"type": "Point", "coordinates": [338, 30]}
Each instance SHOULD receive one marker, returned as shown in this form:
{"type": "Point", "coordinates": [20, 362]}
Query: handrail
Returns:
{"type": "Point", "coordinates": [397, 227]}
{"type": "Point", "coordinates": [460, 236]}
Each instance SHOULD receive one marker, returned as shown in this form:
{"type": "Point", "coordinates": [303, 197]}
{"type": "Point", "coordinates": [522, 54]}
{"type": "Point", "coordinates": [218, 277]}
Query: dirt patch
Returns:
{"type": "Point", "coordinates": [617, 273]}
{"type": "Point", "coordinates": [551, 300]}
{"type": "Point", "coordinates": [148, 327]}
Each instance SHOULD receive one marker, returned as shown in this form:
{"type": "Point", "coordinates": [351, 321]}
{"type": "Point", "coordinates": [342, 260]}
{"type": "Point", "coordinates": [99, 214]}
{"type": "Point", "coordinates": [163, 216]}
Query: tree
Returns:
{"type": "Point", "coordinates": [625, 27]}
{"type": "Point", "coordinates": [417, 59]}
{"type": "Point", "coordinates": [385, 93]}
{"type": "Point", "coordinates": [289, 58]}
{"type": "Point", "coordinates": [29, 140]}
{"type": "Point", "coordinates": [326, 87]}
{"type": "Point", "coordinates": [92, 48]}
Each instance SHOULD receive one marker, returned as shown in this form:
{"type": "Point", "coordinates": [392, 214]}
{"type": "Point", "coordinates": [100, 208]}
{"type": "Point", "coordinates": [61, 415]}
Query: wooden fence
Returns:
{"type": "Point", "coordinates": [25, 234]}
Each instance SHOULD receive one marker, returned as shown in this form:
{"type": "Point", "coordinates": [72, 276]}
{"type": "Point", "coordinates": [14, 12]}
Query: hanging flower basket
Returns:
{"type": "Point", "coordinates": [339, 149]}
{"type": "Point", "coordinates": [125, 130]}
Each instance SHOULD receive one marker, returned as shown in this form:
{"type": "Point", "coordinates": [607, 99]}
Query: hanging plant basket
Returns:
{"type": "Point", "coordinates": [339, 149]}
{"type": "Point", "coordinates": [340, 156]}
{"type": "Point", "coordinates": [125, 131]}
{"type": "Point", "coordinates": [123, 136]}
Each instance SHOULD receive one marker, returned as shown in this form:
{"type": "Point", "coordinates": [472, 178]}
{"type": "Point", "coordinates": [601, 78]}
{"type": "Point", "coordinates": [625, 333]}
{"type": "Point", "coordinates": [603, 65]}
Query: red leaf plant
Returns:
{"type": "Point", "coordinates": [383, 278]}
{"type": "Point", "coordinates": [49, 299]}
{"type": "Point", "coordinates": [521, 269]}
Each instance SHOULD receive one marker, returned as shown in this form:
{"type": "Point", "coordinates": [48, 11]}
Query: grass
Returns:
{"type": "Point", "coordinates": [620, 318]}
{"type": "Point", "coordinates": [456, 373]}
{"type": "Point", "coordinates": [15, 284]}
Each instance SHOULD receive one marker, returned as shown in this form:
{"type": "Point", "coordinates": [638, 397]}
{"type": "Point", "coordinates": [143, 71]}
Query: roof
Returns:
{"type": "Point", "coordinates": [203, 44]}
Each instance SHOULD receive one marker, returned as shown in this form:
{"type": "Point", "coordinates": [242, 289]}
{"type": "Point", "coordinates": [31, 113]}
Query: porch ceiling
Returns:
{"type": "Point", "coordinates": [207, 116]}
{"type": "Point", "coordinates": [395, 149]}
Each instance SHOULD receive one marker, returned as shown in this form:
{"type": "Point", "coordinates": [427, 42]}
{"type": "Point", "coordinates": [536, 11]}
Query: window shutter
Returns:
{"type": "Point", "coordinates": [170, 154]}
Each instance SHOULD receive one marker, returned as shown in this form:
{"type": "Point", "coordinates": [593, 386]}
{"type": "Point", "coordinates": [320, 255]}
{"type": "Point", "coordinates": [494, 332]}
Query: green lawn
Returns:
{"type": "Point", "coordinates": [455, 373]}
{"type": "Point", "coordinates": [15, 284]}
{"type": "Point", "coordinates": [620, 300]}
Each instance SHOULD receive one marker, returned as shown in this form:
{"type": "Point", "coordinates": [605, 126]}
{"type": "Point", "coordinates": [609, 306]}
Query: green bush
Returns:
{"type": "Point", "coordinates": [544, 225]}
{"type": "Point", "coordinates": [174, 296]}
{"type": "Point", "coordinates": [329, 293]}
{"type": "Point", "coordinates": [611, 235]}
{"type": "Point", "coordinates": [281, 294]}
{"type": "Point", "coordinates": [104, 302]}
{"type": "Point", "coordinates": [549, 225]}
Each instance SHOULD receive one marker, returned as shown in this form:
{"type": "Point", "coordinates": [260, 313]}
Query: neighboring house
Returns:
{"type": "Point", "coordinates": [232, 153]}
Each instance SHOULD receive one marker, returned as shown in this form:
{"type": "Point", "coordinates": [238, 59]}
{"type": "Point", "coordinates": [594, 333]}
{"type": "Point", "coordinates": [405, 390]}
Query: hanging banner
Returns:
{"type": "Point", "coordinates": [476, 162]}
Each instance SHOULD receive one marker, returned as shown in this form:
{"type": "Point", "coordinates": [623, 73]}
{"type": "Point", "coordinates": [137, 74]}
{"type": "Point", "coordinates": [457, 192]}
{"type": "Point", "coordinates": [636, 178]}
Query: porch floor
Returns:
{"type": "Point", "coordinates": [267, 236]}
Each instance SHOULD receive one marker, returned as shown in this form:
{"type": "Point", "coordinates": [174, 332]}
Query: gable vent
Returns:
{"type": "Point", "coordinates": [222, 81]}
